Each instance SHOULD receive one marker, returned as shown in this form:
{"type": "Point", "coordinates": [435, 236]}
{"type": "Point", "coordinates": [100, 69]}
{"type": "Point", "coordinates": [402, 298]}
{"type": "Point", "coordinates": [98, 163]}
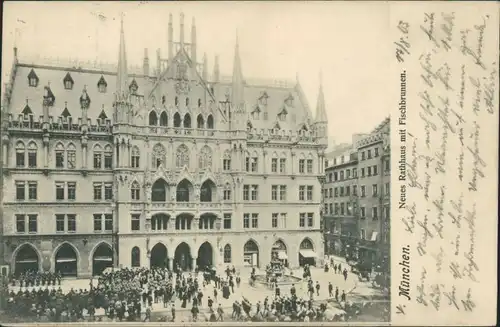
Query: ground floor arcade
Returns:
{"type": "Point", "coordinates": [83, 257]}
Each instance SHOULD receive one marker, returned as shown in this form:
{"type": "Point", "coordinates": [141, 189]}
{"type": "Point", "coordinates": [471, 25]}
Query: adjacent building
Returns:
{"type": "Point", "coordinates": [357, 199]}
{"type": "Point", "coordinates": [163, 166]}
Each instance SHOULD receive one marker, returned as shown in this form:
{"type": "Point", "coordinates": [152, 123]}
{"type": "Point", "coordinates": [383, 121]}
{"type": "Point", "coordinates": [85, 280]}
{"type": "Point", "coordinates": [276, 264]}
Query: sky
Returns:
{"type": "Point", "coordinates": [340, 43]}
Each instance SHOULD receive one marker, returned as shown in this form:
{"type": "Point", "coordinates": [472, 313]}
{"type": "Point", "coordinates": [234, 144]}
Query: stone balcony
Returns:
{"type": "Point", "coordinates": [202, 207]}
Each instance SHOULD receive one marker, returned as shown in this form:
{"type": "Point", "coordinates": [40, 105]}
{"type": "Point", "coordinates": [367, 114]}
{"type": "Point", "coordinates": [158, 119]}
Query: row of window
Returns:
{"type": "Point", "coordinates": [348, 208]}
{"type": "Point", "coordinates": [64, 223]}
{"type": "Point", "coordinates": [250, 220]}
{"type": "Point", "coordinates": [64, 157]}
{"type": "Point", "coordinates": [346, 174]}
{"type": "Point", "coordinates": [103, 158]}
{"type": "Point", "coordinates": [64, 190]}
{"type": "Point", "coordinates": [162, 119]}
{"type": "Point", "coordinates": [349, 190]}
{"type": "Point", "coordinates": [278, 165]}
{"type": "Point", "coordinates": [278, 192]}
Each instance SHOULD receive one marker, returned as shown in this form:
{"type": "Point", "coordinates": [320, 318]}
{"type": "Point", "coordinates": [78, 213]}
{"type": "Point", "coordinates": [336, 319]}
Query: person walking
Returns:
{"type": "Point", "coordinates": [330, 289]}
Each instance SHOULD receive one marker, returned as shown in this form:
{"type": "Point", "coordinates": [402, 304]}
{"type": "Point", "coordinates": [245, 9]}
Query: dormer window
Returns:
{"type": "Point", "coordinates": [133, 87]}
{"type": "Point", "coordinates": [289, 100]}
{"type": "Point", "coordinates": [102, 85]}
{"type": "Point", "coordinates": [256, 113]}
{"type": "Point", "coordinates": [68, 82]}
{"type": "Point", "coordinates": [263, 98]}
{"type": "Point", "coordinates": [33, 79]}
{"type": "Point", "coordinates": [282, 114]}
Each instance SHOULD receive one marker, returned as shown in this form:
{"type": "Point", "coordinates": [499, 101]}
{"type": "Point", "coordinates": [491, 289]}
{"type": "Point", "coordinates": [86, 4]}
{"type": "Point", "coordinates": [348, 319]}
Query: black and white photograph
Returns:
{"type": "Point", "coordinates": [206, 162]}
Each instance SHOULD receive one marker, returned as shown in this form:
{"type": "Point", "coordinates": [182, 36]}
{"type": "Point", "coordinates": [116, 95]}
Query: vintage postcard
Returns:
{"type": "Point", "coordinates": [245, 162]}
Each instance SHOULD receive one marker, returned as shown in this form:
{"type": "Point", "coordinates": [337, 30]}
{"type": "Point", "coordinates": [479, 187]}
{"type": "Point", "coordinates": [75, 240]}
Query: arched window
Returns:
{"type": "Point", "coordinates": [136, 157]}
{"type": "Point", "coordinates": [205, 158]}
{"type": "Point", "coordinates": [159, 156]}
{"type": "Point", "coordinates": [184, 189]}
{"type": "Point", "coordinates": [200, 121]}
{"type": "Point", "coordinates": [32, 154]}
{"type": "Point", "coordinates": [135, 191]}
{"type": "Point", "coordinates": [182, 158]}
{"type": "Point", "coordinates": [187, 102]}
{"type": "Point", "coordinates": [159, 191]}
{"type": "Point", "coordinates": [210, 122]}
{"type": "Point", "coordinates": [176, 101]}
{"type": "Point", "coordinates": [227, 253]}
{"type": "Point", "coordinates": [187, 121]}
{"type": "Point", "coordinates": [177, 120]}
{"type": "Point", "coordinates": [153, 118]}
{"type": "Point", "coordinates": [163, 119]}
{"type": "Point", "coordinates": [207, 191]}
{"type": "Point", "coordinates": [71, 156]}
{"type": "Point", "coordinates": [60, 155]}
{"type": "Point", "coordinates": [136, 257]}
{"type": "Point", "coordinates": [20, 154]}
{"type": "Point", "coordinates": [199, 102]}
{"type": "Point", "coordinates": [108, 157]}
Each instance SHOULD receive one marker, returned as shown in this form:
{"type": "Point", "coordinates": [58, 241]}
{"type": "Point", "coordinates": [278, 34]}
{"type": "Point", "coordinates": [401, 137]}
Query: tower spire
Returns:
{"type": "Point", "coordinates": [182, 30]}
{"type": "Point", "coordinates": [170, 39]}
{"type": "Point", "coordinates": [237, 82]}
{"type": "Point", "coordinates": [205, 67]}
{"type": "Point", "coordinates": [215, 78]}
{"type": "Point", "coordinates": [122, 75]}
{"type": "Point", "coordinates": [193, 42]}
{"type": "Point", "coordinates": [320, 107]}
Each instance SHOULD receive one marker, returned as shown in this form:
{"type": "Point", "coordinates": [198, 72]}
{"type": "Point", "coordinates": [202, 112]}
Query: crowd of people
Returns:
{"type": "Point", "coordinates": [128, 295]}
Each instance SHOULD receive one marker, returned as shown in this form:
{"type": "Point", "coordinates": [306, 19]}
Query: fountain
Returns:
{"type": "Point", "coordinates": [275, 273]}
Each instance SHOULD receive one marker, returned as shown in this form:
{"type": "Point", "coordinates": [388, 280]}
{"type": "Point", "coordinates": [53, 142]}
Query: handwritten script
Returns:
{"type": "Point", "coordinates": [446, 145]}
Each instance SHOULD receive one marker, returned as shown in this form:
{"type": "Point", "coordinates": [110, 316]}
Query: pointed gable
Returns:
{"type": "Point", "coordinates": [33, 78]}
{"type": "Point", "coordinates": [102, 115]}
{"type": "Point", "coordinates": [65, 112]}
{"type": "Point", "coordinates": [27, 110]}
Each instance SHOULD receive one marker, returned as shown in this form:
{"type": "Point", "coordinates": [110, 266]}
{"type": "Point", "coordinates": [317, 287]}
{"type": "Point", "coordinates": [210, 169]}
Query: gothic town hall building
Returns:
{"type": "Point", "coordinates": [160, 167]}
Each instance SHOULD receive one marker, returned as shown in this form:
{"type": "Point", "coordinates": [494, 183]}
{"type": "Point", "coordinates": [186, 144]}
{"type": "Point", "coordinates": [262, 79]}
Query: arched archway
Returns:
{"type": "Point", "coordinates": [153, 118]}
{"type": "Point", "coordinates": [66, 260]}
{"type": "Point", "coordinates": [135, 257]}
{"type": "Point", "coordinates": [200, 121]}
{"type": "Point", "coordinates": [251, 254]}
{"type": "Point", "coordinates": [307, 255]}
{"type": "Point", "coordinates": [158, 256]}
{"type": "Point", "coordinates": [26, 259]}
{"type": "Point", "coordinates": [163, 119]}
{"type": "Point", "coordinates": [205, 256]}
{"type": "Point", "coordinates": [279, 252]}
{"type": "Point", "coordinates": [183, 260]}
{"type": "Point", "coordinates": [159, 191]}
{"type": "Point", "coordinates": [208, 190]}
{"type": "Point", "coordinates": [102, 258]}
{"type": "Point", "coordinates": [184, 191]}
